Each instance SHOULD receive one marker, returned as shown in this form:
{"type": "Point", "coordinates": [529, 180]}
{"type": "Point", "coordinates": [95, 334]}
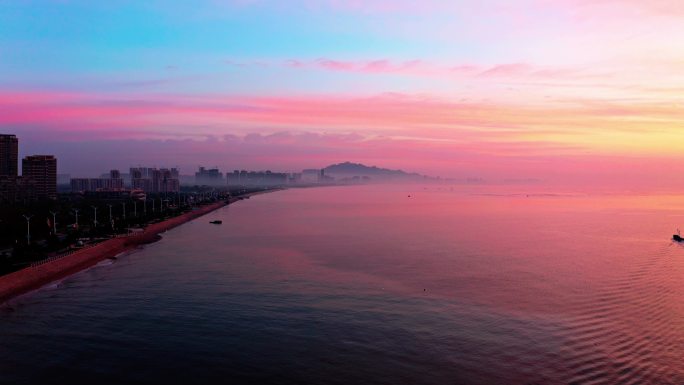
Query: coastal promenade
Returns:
{"type": "Point", "coordinates": [34, 277]}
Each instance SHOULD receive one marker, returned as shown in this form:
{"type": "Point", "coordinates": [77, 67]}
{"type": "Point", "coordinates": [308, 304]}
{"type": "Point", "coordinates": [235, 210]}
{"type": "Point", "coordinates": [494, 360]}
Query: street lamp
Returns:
{"type": "Point", "coordinates": [28, 228]}
{"type": "Point", "coordinates": [54, 222]}
{"type": "Point", "coordinates": [76, 211]}
{"type": "Point", "coordinates": [111, 221]}
{"type": "Point", "coordinates": [95, 219]}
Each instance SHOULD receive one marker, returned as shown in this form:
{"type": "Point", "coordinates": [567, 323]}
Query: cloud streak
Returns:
{"type": "Point", "coordinates": [517, 71]}
{"type": "Point", "coordinates": [571, 123]}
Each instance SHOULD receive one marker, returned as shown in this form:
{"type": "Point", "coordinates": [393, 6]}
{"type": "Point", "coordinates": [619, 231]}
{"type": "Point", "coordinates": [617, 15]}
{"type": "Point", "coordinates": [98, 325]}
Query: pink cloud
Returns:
{"type": "Point", "coordinates": [520, 72]}
{"type": "Point", "coordinates": [379, 66]}
{"type": "Point", "coordinates": [418, 133]}
{"type": "Point", "coordinates": [569, 123]}
{"type": "Point", "coordinates": [295, 63]}
{"type": "Point", "coordinates": [507, 70]}
{"type": "Point", "coordinates": [661, 7]}
{"type": "Point", "coordinates": [336, 65]}
{"type": "Point", "coordinates": [385, 109]}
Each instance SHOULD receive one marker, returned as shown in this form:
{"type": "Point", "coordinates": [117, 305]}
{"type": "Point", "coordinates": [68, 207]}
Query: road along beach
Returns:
{"type": "Point", "coordinates": [41, 274]}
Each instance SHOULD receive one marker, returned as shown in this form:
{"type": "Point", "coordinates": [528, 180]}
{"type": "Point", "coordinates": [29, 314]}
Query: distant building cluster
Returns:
{"type": "Point", "coordinates": [155, 180]}
{"type": "Point", "coordinates": [315, 176]}
{"type": "Point", "coordinates": [113, 182]}
{"type": "Point", "coordinates": [244, 178]}
{"type": "Point", "coordinates": [209, 177]}
{"type": "Point", "coordinates": [142, 180]}
{"type": "Point", "coordinates": [256, 178]}
{"type": "Point", "coordinates": [39, 174]}
{"type": "Point", "coordinates": [165, 180]}
{"type": "Point", "coordinates": [39, 178]}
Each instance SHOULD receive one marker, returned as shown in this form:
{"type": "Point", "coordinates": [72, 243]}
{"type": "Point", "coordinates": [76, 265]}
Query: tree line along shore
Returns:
{"type": "Point", "coordinates": [58, 267]}
{"type": "Point", "coordinates": [37, 231]}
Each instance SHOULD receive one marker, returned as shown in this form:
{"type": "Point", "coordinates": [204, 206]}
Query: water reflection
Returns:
{"type": "Point", "coordinates": [369, 285]}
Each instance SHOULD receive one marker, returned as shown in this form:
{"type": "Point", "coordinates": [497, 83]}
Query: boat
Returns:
{"type": "Point", "coordinates": [677, 237]}
{"type": "Point", "coordinates": [216, 222]}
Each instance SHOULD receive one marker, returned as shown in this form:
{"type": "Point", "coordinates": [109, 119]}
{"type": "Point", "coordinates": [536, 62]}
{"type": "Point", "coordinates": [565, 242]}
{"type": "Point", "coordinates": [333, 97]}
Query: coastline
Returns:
{"type": "Point", "coordinates": [32, 278]}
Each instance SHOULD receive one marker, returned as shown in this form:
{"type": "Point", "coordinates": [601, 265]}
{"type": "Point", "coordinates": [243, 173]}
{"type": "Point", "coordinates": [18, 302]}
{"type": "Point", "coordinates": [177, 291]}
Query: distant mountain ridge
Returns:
{"type": "Point", "coordinates": [349, 169]}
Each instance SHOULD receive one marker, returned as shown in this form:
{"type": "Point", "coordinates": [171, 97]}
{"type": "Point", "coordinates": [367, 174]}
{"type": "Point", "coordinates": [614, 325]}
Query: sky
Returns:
{"type": "Point", "coordinates": [582, 91]}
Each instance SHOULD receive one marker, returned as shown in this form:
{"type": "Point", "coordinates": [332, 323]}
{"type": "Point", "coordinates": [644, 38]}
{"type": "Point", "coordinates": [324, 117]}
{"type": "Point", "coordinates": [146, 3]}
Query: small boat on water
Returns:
{"type": "Point", "coordinates": [216, 222]}
{"type": "Point", "coordinates": [678, 237]}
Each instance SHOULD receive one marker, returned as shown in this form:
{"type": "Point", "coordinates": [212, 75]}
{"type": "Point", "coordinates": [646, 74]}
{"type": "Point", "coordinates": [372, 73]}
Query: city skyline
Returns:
{"type": "Point", "coordinates": [9, 161]}
{"type": "Point", "coordinates": [461, 89]}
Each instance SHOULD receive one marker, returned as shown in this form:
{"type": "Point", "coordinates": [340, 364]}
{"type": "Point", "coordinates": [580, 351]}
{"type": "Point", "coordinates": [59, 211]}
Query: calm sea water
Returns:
{"type": "Point", "coordinates": [368, 285]}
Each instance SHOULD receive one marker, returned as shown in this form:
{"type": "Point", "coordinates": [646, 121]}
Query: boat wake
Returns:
{"type": "Point", "coordinates": [630, 332]}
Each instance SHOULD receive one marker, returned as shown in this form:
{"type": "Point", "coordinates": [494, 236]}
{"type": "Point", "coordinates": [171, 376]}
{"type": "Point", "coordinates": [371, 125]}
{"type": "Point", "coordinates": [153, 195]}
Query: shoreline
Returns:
{"type": "Point", "coordinates": [34, 277]}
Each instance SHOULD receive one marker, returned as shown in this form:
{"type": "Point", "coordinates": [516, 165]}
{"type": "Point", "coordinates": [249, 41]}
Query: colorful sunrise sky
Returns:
{"type": "Point", "coordinates": [586, 90]}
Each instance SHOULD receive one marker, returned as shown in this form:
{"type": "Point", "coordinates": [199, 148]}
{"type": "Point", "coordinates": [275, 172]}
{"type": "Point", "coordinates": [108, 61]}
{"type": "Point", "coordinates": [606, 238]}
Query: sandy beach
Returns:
{"type": "Point", "coordinates": [34, 277]}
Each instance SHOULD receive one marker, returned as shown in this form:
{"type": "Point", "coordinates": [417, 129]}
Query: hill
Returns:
{"type": "Point", "coordinates": [350, 170]}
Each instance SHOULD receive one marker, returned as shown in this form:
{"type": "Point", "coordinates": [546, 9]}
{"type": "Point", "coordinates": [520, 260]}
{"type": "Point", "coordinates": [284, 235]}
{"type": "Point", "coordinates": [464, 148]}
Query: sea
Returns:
{"type": "Point", "coordinates": [401, 284]}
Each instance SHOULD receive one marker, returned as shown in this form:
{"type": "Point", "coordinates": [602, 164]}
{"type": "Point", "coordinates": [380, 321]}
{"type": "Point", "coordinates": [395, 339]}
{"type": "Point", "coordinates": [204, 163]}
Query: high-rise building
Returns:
{"type": "Point", "coordinates": [144, 184]}
{"type": "Point", "coordinates": [153, 180]}
{"type": "Point", "coordinates": [9, 155]}
{"type": "Point", "coordinates": [256, 178]}
{"type": "Point", "coordinates": [115, 182]}
{"type": "Point", "coordinates": [42, 171]}
{"type": "Point", "coordinates": [136, 173]}
{"type": "Point", "coordinates": [109, 182]}
{"type": "Point", "coordinates": [80, 185]}
{"type": "Point", "coordinates": [164, 182]}
{"type": "Point", "coordinates": [9, 187]}
{"type": "Point", "coordinates": [210, 177]}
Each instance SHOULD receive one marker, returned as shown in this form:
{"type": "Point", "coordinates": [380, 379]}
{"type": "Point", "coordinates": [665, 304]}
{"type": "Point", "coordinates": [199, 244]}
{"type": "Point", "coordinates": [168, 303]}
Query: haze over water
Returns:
{"type": "Point", "coordinates": [377, 285]}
